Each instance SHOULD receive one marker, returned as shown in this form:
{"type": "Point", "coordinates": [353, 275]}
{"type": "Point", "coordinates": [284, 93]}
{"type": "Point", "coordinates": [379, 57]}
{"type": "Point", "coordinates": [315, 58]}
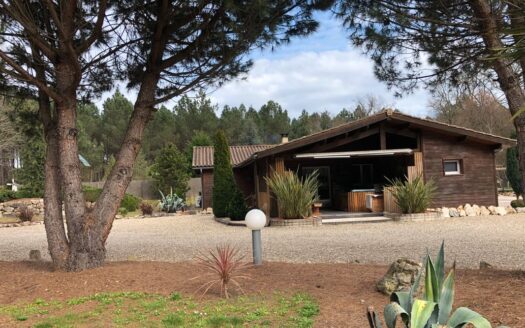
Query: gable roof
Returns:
{"type": "Point", "coordinates": [243, 155]}
{"type": "Point", "coordinates": [387, 115]}
{"type": "Point", "coordinates": [203, 155]}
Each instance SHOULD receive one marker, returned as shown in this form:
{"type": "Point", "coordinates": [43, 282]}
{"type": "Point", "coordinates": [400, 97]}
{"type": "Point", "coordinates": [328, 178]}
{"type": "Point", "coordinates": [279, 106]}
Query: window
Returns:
{"type": "Point", "coordinates": [452, 166]}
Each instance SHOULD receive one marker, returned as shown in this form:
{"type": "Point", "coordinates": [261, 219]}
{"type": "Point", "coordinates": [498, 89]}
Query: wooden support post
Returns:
{"type": "Point", "coordinates": [417, 168]}
{"type": "Point", "coordinates": [382, 136]}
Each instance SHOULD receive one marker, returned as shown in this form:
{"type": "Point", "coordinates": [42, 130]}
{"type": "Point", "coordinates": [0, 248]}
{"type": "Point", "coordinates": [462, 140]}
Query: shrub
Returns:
{"type": "Point", "coordinates": [171, 170]}
{"type": "Point", "coordinates": [130, 202]}
{"type": "Point", "coordinates": [91, 194]}
{"type": "Point", "coordinates": [25, 214]}
{"type": "Point", "coordinates": [123, 211]}
{"type": "Point", "coordinates": [436, 307]}
{"type": "Point", "coordinates": [6, 194]}
{"type": "Point", "coordinates": [412, 196]}
{"type": "Point", "coordinates": [513, 171]}
{"type": "Point", "coordinates": [228, 200]}
{"type": "Point", "coordinates": [295, 196]}
{"type": "Point", "coordinates": [224, 264]}
{"type": "Point", "coordinates": [171, 203]}
{"type": "Point", "coordinates": [146, 208]}
{"type": "Point", "coordinates": [517, 203]}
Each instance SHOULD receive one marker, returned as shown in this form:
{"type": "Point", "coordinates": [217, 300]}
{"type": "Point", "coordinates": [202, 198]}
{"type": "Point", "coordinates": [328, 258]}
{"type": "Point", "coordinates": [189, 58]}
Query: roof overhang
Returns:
{"type": "Point", "coordinates": [351, 154]}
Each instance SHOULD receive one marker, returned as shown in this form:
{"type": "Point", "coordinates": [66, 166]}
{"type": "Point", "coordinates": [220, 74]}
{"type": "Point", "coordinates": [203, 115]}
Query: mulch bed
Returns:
{"type": "Point", "coordinates": [342, 290]}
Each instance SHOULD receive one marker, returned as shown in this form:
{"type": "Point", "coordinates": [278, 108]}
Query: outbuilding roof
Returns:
{"type": "Point", "coordinates": [203, 155]}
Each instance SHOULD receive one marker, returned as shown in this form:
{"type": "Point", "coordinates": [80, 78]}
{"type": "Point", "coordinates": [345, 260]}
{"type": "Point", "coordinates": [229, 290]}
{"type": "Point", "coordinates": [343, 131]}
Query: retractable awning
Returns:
{"type": "Point", "coordinates": [362, 153]}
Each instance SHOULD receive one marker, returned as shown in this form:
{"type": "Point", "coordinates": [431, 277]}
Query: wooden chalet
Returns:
{"type": "Point", "coordinates": [356, 159]}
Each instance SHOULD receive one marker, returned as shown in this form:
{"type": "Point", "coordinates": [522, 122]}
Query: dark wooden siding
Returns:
{"type": "Point", "coordinates": [476, 184]}
{"type": "Point", "coordinates": [207, 188]}
{"type": "Point", "coordinates": [243, 178]}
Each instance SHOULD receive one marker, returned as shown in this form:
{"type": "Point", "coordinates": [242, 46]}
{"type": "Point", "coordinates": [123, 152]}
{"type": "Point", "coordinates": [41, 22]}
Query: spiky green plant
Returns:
{"type": "Point", "coordinates": [434, 310]}
{"type": "Point", "coordinates": [295, 196]}
{"type": "Point", "coordinates": [170, 203]}
{"type": "Point", "coordinates": [412, 196]}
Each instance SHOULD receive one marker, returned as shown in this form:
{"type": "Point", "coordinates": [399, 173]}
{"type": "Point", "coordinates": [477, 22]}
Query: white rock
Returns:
{"type": "Point", "coordinates": [492, 210]}
{"type": "Point", "coordinates": [500, 210]}
{"type": "Point", "coordinates": [453, 212]}
{"type": "Point", "coordinates": [469, 210]}
{"type": "Point", "coordinates": [477, 209]}
{"type": "Point", "coordinates": [520, 209]}
{"type": "Point", "coordinates": [445, 212]}
{"type": "Point", "coordinates": [484, 211]}
{"type": "Point", "coordinates": [510, 210]}
{"type": "Point", "coordinates": [462, 212]}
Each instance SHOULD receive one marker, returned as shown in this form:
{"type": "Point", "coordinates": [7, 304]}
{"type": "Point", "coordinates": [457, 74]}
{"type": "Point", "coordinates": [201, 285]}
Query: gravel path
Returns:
{"type": "Point", "coordinates": [499, 241]}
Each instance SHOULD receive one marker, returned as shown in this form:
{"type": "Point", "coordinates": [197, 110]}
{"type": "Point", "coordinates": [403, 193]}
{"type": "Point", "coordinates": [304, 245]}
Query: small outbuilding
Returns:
{"type": "Point", "coordinates": [356, 159]}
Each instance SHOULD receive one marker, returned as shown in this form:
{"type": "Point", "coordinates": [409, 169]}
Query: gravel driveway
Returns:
{"type": "Point", "coordinates": [499, 241]}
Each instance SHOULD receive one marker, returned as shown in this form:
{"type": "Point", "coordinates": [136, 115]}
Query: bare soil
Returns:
{"type": "Point", "coordinates": [342, 290]}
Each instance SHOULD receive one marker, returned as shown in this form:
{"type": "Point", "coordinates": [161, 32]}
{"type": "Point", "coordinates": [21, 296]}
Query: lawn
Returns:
{"type": "Point", "coordinates": [122, 309]}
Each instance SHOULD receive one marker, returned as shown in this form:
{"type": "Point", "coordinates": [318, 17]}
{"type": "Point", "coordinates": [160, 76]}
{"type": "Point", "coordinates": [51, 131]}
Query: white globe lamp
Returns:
{"type": "Point", "coordinates": [256, 220]}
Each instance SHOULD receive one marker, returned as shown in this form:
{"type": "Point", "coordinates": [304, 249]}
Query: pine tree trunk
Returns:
{"type": "Point", "coordinates": [58, 245]}
{"type": "Point", "coordinates": [508, 79]}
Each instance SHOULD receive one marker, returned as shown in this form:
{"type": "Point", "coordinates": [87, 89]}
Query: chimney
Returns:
{"type": "Point", "coordinates": [284, 138]}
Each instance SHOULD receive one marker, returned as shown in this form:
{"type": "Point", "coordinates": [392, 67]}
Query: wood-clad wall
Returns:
{"type": "Point", "coordinates": [477, 182]}
{"type": "Point", "coordinates": [417, 168]}
{"type": "Point", "coordinates": [390, 205]}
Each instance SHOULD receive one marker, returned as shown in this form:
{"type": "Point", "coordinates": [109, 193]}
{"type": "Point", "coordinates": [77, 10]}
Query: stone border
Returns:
{"type": "Point", "coordinates": [312, 221]}
{"type": "Point", "coordinates": [427, 216]}
{"type": "Point", "coordinates": [228, 221]}
{"type": "Point", "coordinates": [20, 224]}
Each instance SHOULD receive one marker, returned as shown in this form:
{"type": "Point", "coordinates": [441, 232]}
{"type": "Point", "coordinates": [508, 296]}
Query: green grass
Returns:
{"type": "Point", "coordinates": [152, 310]}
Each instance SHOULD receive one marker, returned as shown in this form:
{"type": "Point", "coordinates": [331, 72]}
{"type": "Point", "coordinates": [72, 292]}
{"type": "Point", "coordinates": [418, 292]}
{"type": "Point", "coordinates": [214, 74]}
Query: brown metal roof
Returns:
{"type": "Point", "coordinates": [203, 155]}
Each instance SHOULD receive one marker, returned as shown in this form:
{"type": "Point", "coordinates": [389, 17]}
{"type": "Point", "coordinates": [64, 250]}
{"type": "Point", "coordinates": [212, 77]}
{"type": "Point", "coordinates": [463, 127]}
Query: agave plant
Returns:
{"type": "Point", "coordinates": [170, 203]}
{"type": "Point", "coordinates": [295, 196]}
{"type": "Point", "coordinates": [434, 310]}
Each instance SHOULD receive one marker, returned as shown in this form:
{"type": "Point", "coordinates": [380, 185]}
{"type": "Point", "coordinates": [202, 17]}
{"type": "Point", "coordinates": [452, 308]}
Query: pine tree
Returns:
{"type": "Point", "coordinates": [171, 171]}
{"type": "Point", "coordinates": [227, 200]}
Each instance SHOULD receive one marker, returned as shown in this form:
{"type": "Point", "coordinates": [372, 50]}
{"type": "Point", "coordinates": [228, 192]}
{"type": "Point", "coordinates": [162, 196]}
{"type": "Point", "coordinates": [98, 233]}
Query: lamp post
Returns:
{"type": "Point", "coordinates": [255, 220]}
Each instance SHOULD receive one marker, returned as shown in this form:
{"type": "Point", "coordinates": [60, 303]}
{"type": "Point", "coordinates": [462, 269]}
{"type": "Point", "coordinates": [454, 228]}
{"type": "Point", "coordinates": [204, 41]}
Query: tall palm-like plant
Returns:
{"type": "Point", "coordinates": [413, 196]}
{"type": "Point", "coordinates": [295, 196]}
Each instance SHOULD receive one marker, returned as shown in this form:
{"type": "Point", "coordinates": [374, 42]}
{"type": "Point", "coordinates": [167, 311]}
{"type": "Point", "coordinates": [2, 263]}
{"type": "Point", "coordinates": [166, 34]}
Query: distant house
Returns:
{"type": "Point", "coordinates": [355, 159]}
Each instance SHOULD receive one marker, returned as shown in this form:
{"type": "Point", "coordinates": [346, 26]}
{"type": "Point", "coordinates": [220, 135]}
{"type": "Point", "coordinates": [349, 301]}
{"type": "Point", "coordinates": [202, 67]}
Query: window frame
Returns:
{"type": "Point", "coordinates": [459, 163]}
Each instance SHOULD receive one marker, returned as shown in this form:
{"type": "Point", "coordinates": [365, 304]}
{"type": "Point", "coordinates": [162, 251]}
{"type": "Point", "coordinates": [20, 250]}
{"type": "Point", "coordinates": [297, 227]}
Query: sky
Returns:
{"type": "Point", "coordinates": [320, 72]}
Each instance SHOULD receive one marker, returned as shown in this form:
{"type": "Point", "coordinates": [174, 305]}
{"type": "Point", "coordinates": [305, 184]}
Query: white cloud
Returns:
{"type": "Point", "coordinates": [315, 81]}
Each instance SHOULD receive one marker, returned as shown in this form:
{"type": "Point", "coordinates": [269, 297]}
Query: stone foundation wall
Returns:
{"type": "Point", "coordinates": [10, 208]}
{"type": "Point", "coordinates": [315, 221]}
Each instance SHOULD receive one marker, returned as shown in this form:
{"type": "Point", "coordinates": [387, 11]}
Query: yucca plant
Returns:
{"type": "Point", "coordinates": [224, 265]}
{"type": "Point", "coordinates": [412, 196]}
{"type": "Point", "coordinates": [295, 196]}
{"type": "Point", "coordinates": [433, 311]}
{"type": "Point", "coordinates": [170, 203]}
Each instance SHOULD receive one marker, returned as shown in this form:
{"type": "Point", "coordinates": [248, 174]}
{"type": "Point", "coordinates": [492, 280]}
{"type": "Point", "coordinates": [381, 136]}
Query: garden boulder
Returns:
{"type": "Point", "coordinates": [400, 276]}
{"type": "Point", "coordinates": [484, 211]}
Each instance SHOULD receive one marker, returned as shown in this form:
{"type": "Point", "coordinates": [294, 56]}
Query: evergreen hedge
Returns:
{"type": "Point", "coordinates": [228, 200]}
{"type": "Point", "coordinates": [513, 171]}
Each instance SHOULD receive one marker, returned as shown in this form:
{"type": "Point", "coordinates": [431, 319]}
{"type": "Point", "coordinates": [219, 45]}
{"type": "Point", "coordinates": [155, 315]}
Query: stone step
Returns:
{"type": "Point", "coordinates": [350, 220]}
{"type": "Point", "coordinates": [343, 215]}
